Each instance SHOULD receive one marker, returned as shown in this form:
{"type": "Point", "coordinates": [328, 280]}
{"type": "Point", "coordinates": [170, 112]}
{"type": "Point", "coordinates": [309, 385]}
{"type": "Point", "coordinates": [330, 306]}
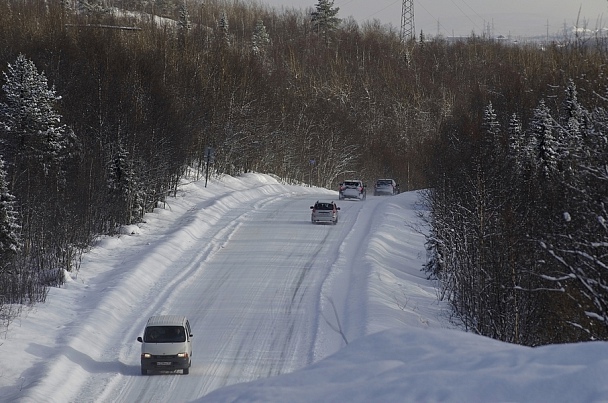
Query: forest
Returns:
{"type": "Point", "coordinates": [106, 104]}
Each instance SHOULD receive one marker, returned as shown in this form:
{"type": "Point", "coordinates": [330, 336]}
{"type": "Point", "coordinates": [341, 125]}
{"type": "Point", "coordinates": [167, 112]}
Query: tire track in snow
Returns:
{"type": "Point", "coordinates": [352, 268]}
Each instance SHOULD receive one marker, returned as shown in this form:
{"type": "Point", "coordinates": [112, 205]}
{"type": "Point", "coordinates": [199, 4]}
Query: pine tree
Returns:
{"type": "Point", "coordinates": [324, 19]}
{"type": "Point", "coordinates": [10, 246]}
{"type": "Point", "coordinates": [574, 115]}
{"type": "Point", "coordinates": [514, 146]}
{"type": "Point", "coordinates": [32, 131]}
{"type": "Point", "coordinates": [122, 184]}
{"type": "Point", "coordinates": [183, 24]}
{"type": "Point", "coordinates": [184, 18]}
{"type": "Point", "coordinates": [224, 28]}
{"type": "Point", "coordinates": [491, 131]}
{"type": "Point", "coordinates": [575, 128]}
{"type": "Point", "coordinates": [545, 146]}
{"type": "Point", "coordinates": [260, 39]}
{"type": "Point", "coordinates": [10, 239]}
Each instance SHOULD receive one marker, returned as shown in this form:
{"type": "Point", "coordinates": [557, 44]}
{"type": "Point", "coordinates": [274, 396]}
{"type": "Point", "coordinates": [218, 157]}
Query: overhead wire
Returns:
{"type": "Point", "coordinates": [461, 11]}
{"type": "Point", "coordinates": [379, 11]}
{"type": "Point", "coordinates": [475, 12]}
{"type": "Point", "coordinates": [437, 19]}
{"type": "Point", "coordinates": [376, 12]}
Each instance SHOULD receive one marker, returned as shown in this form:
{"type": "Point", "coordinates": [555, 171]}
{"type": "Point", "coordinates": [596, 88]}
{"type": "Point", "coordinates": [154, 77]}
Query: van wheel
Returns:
{"type": "Point", "coordinates": [144, 371]}
{"type": "Point", "coordinates": [186, 371]}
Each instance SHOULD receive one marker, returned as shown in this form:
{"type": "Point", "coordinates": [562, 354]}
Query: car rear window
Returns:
{"type": "Point", "coordinates": [164, 334]}
{"type": "Point", "coordinates": [351, 183]}
{"type": "Point", "coordinates": [384, 182]}
{"type": "Point", "coordinates": [324, 206]}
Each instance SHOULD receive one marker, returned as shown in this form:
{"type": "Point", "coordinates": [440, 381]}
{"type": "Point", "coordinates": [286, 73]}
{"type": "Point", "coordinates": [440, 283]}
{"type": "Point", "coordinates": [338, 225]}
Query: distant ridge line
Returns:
{"type": "Point", "coordinates": [103, 26]}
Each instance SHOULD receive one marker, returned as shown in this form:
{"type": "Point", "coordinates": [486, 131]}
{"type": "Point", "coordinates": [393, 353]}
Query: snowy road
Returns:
{"type": "Point", "coordinates": [249, 270]}
{"type": "Point", "coordinates": [269, 293]}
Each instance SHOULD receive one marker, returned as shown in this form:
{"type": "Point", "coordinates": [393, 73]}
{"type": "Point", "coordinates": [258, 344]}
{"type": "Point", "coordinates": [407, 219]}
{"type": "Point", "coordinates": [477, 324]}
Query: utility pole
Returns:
{"type": "Point", "coordinates": [407, 20]}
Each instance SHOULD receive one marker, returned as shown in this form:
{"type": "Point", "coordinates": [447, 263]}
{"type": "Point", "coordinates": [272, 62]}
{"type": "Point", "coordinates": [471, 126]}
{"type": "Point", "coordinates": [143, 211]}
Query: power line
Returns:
{"type": "Point", "coordinates": [437, 19]}
{"type": "Point", "coordinates": [463, 13]}
{"type": "Point", "coordinates": [382, 9]}
{"type": "Point", "coordinates": [477, 14]}
{"type": "Point", "coordinates": [444, 29]}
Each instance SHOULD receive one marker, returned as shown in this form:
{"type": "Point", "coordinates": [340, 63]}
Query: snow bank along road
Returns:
{"type": "Point", "coordinates": [266, 293]}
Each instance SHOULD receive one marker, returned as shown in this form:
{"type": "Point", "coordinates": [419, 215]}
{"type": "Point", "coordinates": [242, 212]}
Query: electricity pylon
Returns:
{"type": "Point", "coordinates": [407, 20]}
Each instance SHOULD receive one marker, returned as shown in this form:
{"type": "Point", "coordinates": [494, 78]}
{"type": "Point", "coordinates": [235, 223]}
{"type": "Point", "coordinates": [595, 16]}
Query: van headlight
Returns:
{"type": "Point", "coordinates": [146, 355]}
{"type": "Point", "coordinates": [182, 355]}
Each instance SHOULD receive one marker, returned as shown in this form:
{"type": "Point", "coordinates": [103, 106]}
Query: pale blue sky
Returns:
{"type": "Point", "coordinates": [461, 17]}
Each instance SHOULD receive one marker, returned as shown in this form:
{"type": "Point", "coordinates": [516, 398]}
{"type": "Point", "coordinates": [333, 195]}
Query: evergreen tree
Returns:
{"type": "Point", "coordinates": [491, 132]}
{"type": "Point", "coordinates": [183, 24]}
{"type": "Point", "coordinates": [575, 128]}
{"type": "Point", "coordinates": [544, 146]}
{"type": "Point", "coordinates": [10, 238]}
{"type": "Point", "coordinates": [224, 28]}
{"type": "Point", "coordinates": [32, 131]}
{"type": "Point", "coordinates": [260, 39]}
{"type": "Point", "coordinates": [514, 145]}
{"type": "Point", "coordinates": [575, 119]}
{"type": "Point", "coordinates": [324, 19]}
{"type": "Point", "coordinates": [10, 247]}
{"type": "Point", "coordinates": [122, 185]}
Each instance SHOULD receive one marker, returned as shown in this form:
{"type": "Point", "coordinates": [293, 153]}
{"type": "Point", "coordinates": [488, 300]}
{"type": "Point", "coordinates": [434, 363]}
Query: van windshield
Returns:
{"type": "Point", "coordinates": [164, 334]}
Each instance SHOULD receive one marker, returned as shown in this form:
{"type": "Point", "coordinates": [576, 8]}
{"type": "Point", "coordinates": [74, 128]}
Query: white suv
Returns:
{"type": "Point", "coordinates": [352, 189]}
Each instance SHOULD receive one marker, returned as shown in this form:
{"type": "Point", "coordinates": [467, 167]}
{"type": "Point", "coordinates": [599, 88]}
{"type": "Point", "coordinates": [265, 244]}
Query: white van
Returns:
{"type": "Point", "coordinates": [166, 345]}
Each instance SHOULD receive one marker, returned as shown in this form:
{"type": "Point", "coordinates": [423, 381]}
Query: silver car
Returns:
{"type": "Point", "coordinates": [324, 211]}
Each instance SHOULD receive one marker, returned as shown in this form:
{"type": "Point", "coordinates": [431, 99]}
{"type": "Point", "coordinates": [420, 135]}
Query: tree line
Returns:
{"type": "Point", "coordinates": [519, 239]}
{"type": "Point", "coordinates": [125, 96]}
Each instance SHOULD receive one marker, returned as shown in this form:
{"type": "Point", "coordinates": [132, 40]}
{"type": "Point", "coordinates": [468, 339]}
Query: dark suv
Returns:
{"type": "Point", "coordinates": [386, 187]}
